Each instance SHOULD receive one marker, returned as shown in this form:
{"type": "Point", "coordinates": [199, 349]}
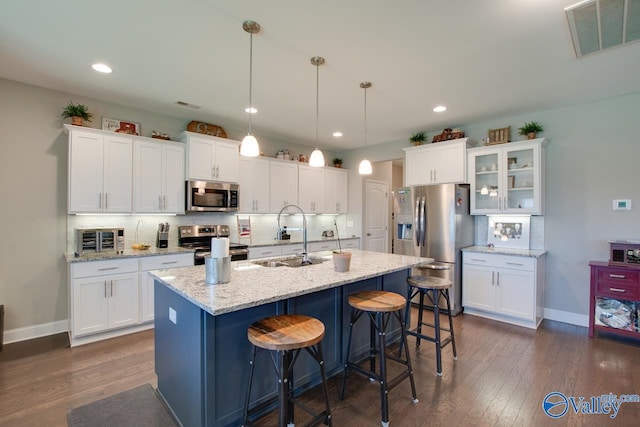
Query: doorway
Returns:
{"type": "Point", "coordinates": [376, 216]}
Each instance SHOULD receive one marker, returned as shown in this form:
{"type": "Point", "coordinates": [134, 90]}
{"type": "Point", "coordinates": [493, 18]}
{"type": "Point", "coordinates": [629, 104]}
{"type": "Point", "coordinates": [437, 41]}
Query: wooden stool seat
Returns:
{"type": "Point", "coordinates": [377, 301]}
{"type": "Point", "coordinates": [429, 282]}
{"type": "Point", "coordinates": [286, 332]}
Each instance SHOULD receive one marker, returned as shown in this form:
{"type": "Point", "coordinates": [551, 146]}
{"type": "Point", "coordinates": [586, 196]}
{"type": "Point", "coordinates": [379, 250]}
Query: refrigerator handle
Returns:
{"type": "Point", "coordinates": [416, 221]}
{"type": "Point", "coordinates": [423, 222]}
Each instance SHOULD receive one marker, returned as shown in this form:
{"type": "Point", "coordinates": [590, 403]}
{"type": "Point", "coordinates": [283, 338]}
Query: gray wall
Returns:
{"type": "Point", "coordinates": [33, 188]}
{"type": "Point", "coordinates": [592, 158]}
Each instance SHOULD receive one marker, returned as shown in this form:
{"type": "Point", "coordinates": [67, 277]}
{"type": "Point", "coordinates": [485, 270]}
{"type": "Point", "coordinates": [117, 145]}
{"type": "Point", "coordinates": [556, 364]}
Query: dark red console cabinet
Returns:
{"type": "Point", "coordinates": [614, 300]}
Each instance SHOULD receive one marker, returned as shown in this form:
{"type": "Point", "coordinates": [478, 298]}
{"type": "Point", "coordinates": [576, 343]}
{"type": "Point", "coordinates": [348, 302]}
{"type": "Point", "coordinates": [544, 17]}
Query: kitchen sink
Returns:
{"type": "Point", "coordinates": [288, 262]}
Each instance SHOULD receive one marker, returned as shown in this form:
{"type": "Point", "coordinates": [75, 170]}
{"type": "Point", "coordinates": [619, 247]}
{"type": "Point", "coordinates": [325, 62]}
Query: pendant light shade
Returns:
{"type": "Point", "coordinates": [365, 165]}
{"type": "Point", "coordinates": [316, 159]}
{"type": "Point", "coordinates": [249, 146]}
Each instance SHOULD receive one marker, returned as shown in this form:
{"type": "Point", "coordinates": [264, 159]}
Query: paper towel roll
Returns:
{"type": "Point", "coordinates": [219, 247]}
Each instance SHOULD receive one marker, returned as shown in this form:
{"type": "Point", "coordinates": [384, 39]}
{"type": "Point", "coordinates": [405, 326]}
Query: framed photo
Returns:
{"type": "Point", "coordinates": [121, 126]}
{"type": "Point", "coordinates": [511, 181]}
{"type": "Point", "coordinates": [512, 162]}
{"type": "Point", "coordinates": [509, 231]}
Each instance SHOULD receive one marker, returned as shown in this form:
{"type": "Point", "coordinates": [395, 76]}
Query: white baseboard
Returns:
{"type": "Point", "coordinates": [36, 331]}
{"type": "Point", "coordinates": [567, 317]}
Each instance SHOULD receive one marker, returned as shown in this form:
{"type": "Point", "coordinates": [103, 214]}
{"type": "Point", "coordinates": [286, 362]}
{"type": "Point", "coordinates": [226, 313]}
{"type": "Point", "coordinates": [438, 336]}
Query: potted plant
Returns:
{"type": "Point", "coordinates": [418, 138]}
{"type": "Point", "coordinates": [530, 129]}
{"type": "Point", "coordinates": [341, 260]}
{"type": "Point", "coordinates": [78, 113]}
{"type": "Point", "coordinates": [337, 162]}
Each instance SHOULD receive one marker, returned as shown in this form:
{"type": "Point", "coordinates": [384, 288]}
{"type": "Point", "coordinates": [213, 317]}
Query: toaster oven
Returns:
{"type": "Point", "coordinates": [94, 240]}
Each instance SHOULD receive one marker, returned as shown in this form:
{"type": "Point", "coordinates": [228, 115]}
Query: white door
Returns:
{"type": "Point", "coordinates": [376, 215]}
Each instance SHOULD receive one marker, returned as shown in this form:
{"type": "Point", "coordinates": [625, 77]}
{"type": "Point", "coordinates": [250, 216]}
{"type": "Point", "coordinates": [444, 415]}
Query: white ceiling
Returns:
{"type": "Point", "coordinates": [482, 59]}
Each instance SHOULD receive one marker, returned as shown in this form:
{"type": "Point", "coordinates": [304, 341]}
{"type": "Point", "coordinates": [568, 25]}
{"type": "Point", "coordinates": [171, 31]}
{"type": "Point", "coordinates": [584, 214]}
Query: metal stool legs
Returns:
{"type": "Point", "coordinates": [434, 296]}
{"type": "Point", "coordinates": [379, 322]}
{"type": "Point", "coordinates": [283, 364]}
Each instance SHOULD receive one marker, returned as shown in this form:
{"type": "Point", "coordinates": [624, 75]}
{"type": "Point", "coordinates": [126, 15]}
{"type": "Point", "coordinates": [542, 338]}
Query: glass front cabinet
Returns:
{"type": "Point", "coordinates": [507, 178]}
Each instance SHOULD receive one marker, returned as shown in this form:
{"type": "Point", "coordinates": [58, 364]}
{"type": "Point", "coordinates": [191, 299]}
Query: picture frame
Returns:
{"type": "Point", "coordinates": [121, 126]}
{"type": "Point", "coordinates": [512, 162]}
{"type": "Point", "coordinates": [509, 231]}
{"type": "Point", "coordinates": [511, 182]}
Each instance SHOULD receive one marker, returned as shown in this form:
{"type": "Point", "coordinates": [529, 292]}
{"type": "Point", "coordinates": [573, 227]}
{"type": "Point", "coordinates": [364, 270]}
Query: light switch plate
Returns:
{"type": "Point", "coordinates": [173, 316]}
{"type": "Point", "coordinates": [622, 205]}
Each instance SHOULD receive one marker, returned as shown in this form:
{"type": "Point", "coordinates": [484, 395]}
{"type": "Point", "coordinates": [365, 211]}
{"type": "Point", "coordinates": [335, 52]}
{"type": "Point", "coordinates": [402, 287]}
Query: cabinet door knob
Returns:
{"type": "Point", "coordinates": [368, 234]}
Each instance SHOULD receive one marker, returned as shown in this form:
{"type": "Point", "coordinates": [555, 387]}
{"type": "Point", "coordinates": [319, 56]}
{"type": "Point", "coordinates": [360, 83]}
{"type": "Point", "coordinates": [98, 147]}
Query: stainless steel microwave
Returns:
{"type": "Point", "coordinates": [93, 240]}
{"type": "Point", "coordinates": [207, 196]}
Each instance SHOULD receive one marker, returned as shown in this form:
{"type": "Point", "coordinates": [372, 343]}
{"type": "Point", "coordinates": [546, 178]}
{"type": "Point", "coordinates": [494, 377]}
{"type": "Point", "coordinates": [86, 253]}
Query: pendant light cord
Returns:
{"type": "Point", "coordinates": [317, 100]}
{"type": "Point", "coordinates": [365, 122]}
{"type": "Point", "coordinates": [250, 77]}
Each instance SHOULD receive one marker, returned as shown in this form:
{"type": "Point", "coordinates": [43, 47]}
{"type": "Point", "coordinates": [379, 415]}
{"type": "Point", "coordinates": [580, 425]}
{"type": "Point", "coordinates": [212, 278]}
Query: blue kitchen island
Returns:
{"type": "Point", "coordinates": [201, 348]}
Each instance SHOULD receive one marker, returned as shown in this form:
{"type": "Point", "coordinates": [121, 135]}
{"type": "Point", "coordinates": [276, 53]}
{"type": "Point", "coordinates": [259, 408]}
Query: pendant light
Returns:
{"type": "Point", "coordinates": [316, 159]}
{"type": "Point", "coordinates": [365, 165]}
{"type": "Point", "coordinates": [249, 146]}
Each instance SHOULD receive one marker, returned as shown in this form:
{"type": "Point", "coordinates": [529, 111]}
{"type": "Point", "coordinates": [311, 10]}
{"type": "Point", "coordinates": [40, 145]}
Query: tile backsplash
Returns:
{"type": "Point", "coordinates": [143, 228]}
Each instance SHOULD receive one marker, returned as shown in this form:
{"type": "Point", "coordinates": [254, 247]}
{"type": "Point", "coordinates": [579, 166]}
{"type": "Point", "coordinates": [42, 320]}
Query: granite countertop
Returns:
{"type": "Point", "coordinates": [128, 253]}
{"type": "Point", "coordinates": [276, 242]}
{"type": "Point", "coordinates": [252, 285]}
{"type": "Point", "coordinates": [531, 253]}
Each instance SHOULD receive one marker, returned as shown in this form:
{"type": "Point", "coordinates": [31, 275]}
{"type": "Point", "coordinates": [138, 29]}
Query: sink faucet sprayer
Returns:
{"type": "Point", "coordinates": [305, 257]}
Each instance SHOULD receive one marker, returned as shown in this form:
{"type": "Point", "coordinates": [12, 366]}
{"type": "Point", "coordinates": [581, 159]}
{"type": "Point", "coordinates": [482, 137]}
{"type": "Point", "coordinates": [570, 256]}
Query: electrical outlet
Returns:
{"type": "Point", "coordinates": [173, 316]}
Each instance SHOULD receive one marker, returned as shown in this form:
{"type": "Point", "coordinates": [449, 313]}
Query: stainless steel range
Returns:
{"type": "Point", "coordinates": [198, 237]}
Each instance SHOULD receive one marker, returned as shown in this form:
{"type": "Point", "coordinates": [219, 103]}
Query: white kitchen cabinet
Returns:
{"type": "Point", "coordinates": [100, 171]}
{"type": "Point", "coordinates": [438, 163]}
{"type": "Point", "coordinates": [147, 264]}
{"type": "Point", "coordinates": [336, 185]}
{"type": "Point", "coordinates": [503, 287]}
{"type": "Point", "coordinates": [210, 158]}
{"type": "Point", "coordinates": [350, 243]}
{"type": "Point", "coordinates": [158, 177]}
{"type": "Point", "coordinates": [254, 185]}
{"type": "Point", "coordinates": [104, 295]}
{"type": "Point", "coordinates": [311, 191]}
{"type": "Point", "coordinates": [508, 178]}
{"type": "Point", "coordinates": [283, 184]}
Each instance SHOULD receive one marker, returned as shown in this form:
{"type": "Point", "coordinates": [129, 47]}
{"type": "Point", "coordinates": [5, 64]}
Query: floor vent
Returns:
{"type": "Point", "coordinates": [597, 25]}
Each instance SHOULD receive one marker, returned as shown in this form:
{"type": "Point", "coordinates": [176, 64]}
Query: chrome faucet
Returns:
{"type": "Point", "coordinates": [305, 254]}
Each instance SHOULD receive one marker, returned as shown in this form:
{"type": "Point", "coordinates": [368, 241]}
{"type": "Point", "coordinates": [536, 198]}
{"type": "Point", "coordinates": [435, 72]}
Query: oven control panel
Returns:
{"type": "Point", "coordinates": [624, 252]}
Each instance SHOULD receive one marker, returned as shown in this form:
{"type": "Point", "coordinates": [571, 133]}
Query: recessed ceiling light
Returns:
{"type": "Point", "coordinates": [337, 134]}
{"type": "Point", "coordinates": [250, 110]}
{"type": "Point", "coordinates": [440, 109]}
{"type": "Point", "coordinates": [102, 68]}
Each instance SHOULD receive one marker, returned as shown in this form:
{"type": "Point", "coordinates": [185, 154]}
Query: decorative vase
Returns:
{"type": "Point", "coordinates": [341, 261]}
{"type": "Point", "coordinates": [77, 120]}
{"type": "Point", "coordinates": [531, 135]}
{"type": "Point", "coordinates": [338, 165]}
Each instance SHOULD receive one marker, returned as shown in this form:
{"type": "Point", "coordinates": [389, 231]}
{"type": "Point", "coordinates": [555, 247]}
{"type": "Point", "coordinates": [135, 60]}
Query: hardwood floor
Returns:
{"type": "Point", "coordinates": [502, 374]}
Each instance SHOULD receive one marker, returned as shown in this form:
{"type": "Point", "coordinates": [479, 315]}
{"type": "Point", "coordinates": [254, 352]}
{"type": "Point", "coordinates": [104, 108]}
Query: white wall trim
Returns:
{"type": "Point", "coordinates": [36, 331]}
{"type": "Point", "coordinates": [566, 317]}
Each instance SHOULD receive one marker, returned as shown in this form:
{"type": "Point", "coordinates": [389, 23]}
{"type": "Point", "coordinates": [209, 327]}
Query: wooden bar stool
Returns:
{"type": "Point", "coordinates": [379, 306]}
{"type": "Point", "coordinates": [433, 288]}
{"type": "Point", "coordinates": [286, 335]}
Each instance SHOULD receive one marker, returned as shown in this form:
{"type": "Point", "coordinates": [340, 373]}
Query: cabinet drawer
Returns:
{"type": "Point", "coordinates": [264, 252]}
{"type": "Point", "coordinates": [166, 261]}
{"type": "Point", "coordinates": [323, 246]}
{"type": "Point", "coordinates": [617, 290]}
{"type": "Point", "coordinates": [101, 268]}
{"type": "Point", "coordinates": [293, 249]}
{"type": "Point", "coordinates": [500, 261]}
{"type": "Point", "coordinates": [351, 243]}
{"type": "Point", "coordinates": [618, 276]}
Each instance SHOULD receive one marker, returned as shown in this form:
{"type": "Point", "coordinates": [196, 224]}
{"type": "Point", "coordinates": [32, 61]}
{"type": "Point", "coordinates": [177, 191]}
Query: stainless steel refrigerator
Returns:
{"type": "Point", "coordinates": [433, 221]}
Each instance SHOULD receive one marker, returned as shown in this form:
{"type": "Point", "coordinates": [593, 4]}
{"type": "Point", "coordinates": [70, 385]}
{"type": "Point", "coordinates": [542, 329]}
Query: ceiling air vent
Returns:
{"type": "Point", "coordinates": [597, 25]}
